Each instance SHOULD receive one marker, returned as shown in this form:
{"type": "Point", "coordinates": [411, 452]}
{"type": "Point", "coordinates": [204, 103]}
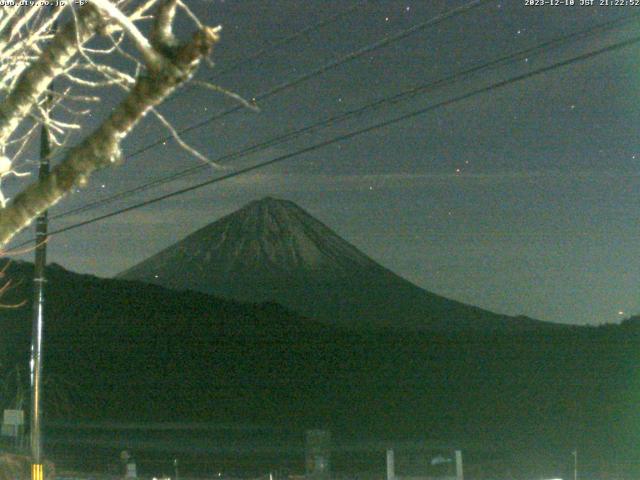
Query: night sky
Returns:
{"type": "Point", "coordinates": [522, 199]}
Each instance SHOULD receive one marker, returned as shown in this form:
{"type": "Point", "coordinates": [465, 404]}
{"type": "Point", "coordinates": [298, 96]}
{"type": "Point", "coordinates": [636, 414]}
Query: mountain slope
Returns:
{"type": "Point", "coordinates": [272, 250]}
{"type": "Point", "coordinates": [144, 352]}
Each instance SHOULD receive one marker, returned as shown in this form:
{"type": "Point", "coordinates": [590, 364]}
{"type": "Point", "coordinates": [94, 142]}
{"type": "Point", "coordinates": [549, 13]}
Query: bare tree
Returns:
{"type": "Point", "coordinates": [79, 56]}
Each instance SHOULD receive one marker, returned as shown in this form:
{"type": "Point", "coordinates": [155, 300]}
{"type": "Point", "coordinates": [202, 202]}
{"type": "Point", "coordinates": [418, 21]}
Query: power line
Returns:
{"type": "Point", "coordinates": [289, 39]}
{"type": "Point", "coordinates": [347, 136]}
{"type": "Point", "coordinates": [324, 68]}
{"type": "Point", "coordinates": [387, 40]}
{"type": "Point", "coordinates": [240, 63]}
{"type": "Point", "coordinates": [554, 43]}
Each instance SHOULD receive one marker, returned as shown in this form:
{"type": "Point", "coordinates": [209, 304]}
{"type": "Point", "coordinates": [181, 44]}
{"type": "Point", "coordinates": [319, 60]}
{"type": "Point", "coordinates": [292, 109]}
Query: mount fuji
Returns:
{"type": "Point", "coordinates": [273, 250]}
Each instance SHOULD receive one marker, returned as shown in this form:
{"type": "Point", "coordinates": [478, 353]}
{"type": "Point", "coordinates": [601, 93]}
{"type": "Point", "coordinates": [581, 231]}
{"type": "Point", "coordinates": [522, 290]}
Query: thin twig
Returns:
{"type": "Point", "coordinates": [216, 88]}
{"type": "Point", "coordinates": [181, 142]}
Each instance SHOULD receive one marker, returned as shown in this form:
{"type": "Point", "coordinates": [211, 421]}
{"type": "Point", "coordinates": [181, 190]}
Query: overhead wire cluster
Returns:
{"type": "Point", "coordinates": [508, 59]}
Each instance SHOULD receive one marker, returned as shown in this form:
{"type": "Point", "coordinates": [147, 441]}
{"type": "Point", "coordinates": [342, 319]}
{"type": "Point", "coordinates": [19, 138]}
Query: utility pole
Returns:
{"type": "Point", "coordinates": [38, 319]}
{"type": "Point", "coordinates": [459, 471]}
{"type": "Point", "coordinates": [391, 469]}
{"type": "Point", "coordinates": [38, 312]}
{"type": "Point", "coordinates": [575, 464]}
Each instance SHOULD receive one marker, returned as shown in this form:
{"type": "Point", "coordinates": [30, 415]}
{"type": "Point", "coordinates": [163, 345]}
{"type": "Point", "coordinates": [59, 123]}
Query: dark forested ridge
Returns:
{"type": "Point", "coordinates": [125, 350]}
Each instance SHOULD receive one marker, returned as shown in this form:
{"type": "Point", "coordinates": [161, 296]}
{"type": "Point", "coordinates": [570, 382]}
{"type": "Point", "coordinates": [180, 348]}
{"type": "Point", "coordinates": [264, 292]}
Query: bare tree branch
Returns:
{"type": "Point", "coordinates": [102, 147]}
{"type": "Point", "coordinates": [176, 136]}
{"type": "Point", "coordinates": [35, 80]}
{"type": "Point", "coordinates": [152, 59]}
{"type": "Point", "coordinates": [32, 56]}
